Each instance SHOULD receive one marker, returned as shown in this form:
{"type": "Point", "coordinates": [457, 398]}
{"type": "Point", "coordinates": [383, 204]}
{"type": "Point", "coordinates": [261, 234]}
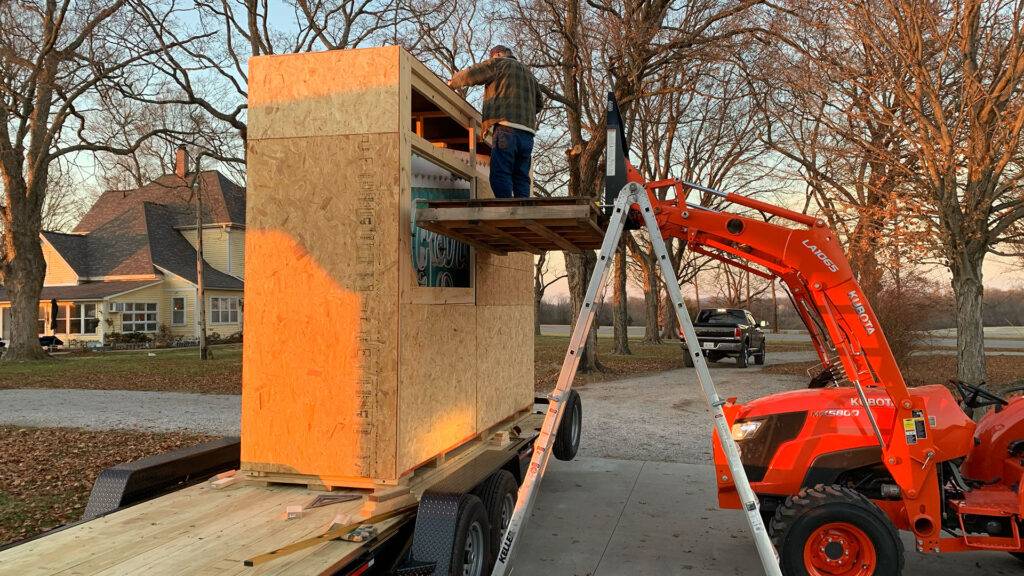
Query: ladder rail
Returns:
{"type": "Point", "coordinates": [545, 440]}
{"type": "Point", "coordinates": [629, 195]}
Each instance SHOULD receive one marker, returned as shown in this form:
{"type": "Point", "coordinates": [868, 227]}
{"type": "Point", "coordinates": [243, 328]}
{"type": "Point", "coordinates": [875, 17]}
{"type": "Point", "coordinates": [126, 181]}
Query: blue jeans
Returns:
{"type": "Point", "coordinates": [511, 153]}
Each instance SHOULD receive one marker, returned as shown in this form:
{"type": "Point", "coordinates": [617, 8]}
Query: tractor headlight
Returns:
{"type": "Point", "coordinates": [744, 430]}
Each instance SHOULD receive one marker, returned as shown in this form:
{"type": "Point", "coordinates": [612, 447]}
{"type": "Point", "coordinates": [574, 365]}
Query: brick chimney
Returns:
{"type": "Point", "coordinates": [180, 162]}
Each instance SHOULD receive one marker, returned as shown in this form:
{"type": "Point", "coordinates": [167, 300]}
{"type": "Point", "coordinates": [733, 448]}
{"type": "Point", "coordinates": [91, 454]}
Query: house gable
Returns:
{"type": "Point", "coordinates": [58, 271]}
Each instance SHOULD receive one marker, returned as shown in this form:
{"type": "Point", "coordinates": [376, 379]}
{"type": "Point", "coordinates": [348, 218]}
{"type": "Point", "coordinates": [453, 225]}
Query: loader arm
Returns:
{"type": "Point", "coordinates": [808, 259]}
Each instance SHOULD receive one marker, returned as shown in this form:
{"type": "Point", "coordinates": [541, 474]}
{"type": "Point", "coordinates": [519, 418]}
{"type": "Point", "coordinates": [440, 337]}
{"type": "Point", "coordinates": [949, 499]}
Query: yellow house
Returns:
{"type": "Point", "coordinates": [130, 264]}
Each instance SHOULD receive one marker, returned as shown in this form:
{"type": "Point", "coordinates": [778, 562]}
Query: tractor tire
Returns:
{"type": "Point", "coordinates": [687, 358]}
{"type": "Point", "coordinates": [835, 530]}
{"type": "Point", "coordinates": [741, 360]}
{"type": "Point", "coordinates": [498, 494]}
{"type": "Point", "coordinates": [759, 355]}
{"type": "Point", "coordinates": [567, 438]}
{"type": "Point", "coordinates": [471, 552]}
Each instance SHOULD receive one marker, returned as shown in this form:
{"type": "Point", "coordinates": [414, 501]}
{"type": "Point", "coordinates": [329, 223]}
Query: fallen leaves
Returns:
{"type": "Point", "coordinates": [46, 474]}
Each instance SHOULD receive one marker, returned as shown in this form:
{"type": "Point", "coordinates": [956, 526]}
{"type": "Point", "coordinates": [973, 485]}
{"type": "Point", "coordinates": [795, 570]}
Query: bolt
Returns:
{"type": "Point", "coordinates": [907, 404]}
{"type": "Point", "coordinates": [912, 493]}
{"type": "Point", "coordinates": [892, 460]}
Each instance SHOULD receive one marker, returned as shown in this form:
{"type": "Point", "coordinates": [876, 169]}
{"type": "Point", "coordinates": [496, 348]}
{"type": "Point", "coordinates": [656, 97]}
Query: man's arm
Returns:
{"type": "Point", "coordinates": [475, 75]}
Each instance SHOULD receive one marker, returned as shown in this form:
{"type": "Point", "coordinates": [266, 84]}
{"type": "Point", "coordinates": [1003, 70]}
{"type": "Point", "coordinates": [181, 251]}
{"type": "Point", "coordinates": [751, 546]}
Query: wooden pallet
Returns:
{"type": "Point", "coordinates": [414, 480]}
{"type": "Point", "coordinates": [503, 225]}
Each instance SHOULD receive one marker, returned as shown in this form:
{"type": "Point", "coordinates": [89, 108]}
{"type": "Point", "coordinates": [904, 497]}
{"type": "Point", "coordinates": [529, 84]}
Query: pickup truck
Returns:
{"type": "Point", "coordinates": [725, 332]}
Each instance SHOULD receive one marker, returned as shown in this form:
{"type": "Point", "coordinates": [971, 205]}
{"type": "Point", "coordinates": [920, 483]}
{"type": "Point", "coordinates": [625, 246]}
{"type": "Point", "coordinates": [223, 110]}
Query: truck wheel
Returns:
{"type": "Point", "coordinates": [567, 439]}
{"type": "Point", "coordinates": [687, 358]}
{"type": "Point", "coordinates": [835, 531]}
{"type": "Point", "coordinates": [741, 360]}
{"type": "Point", "coordinates": [499, 494]}
{"type": "Point", "coordinates": [471, 553]}
{"type": "Point", "coordinates": [759, 355]}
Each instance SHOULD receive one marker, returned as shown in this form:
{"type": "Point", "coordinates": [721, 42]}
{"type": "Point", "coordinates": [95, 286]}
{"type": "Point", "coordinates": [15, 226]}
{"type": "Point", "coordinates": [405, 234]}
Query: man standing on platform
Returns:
{"type": "Point", "coordinates": [512, 100]}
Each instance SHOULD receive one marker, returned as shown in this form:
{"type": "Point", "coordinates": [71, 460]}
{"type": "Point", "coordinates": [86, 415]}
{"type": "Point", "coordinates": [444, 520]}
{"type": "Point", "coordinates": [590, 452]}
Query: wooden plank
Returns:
{"type": "Point", "coordinates": [447, 231]}
{"type": "Point", "coordinates": [447, 159]}
{"type": "Point", "coordinates": [551, 236]}
{"type": "Point", "coordinates": [503, 213]}
{"type": "Point", "coordinates": [498, 232]}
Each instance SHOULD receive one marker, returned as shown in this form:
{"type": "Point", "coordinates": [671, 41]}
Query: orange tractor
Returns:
{"type": "Point", "coordinates": [841, 467]}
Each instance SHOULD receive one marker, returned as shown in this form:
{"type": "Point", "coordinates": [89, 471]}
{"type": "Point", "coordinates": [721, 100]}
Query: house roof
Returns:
{"type": "Point", "coordinates": [223, 201]}
{"type": "Point", "coordinates": [132, 233]}
{"type": "Point", "coordinates": [87, 291]}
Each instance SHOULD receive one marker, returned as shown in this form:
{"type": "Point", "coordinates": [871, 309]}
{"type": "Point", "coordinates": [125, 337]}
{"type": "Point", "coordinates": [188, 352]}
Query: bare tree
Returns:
{"type": "Point", "coordinates": [935, 89]}
{"type": "Point", "coordinates": [57, 59]}
{"type": "Point", "coordinates": [543, 278]}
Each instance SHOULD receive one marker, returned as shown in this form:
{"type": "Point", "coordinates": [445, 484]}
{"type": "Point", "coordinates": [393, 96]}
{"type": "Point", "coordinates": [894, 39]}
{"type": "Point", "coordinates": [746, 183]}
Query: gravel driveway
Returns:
{"type": "Point", "coordinates": [663, 417]}
{"type": "Point", "coordinates": [119, 409]}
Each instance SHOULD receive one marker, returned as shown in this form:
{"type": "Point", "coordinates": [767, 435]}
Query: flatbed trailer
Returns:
{"type": "Point", "coordinates": [216, 526]}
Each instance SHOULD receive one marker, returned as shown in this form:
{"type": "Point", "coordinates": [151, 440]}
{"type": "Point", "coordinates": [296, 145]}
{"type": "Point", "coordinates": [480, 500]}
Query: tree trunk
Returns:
{"type": "Point", "coordinates": [536, 313]}
{"type": "Point", "coordinates": [579, 268]}
{"type": "Point", "coordinates": [670, 324]}
{"type": "Point", "coordinates": [620, 301]}
{"type": "Point", "coordinates": [652, 332]}
{"type": "Point", "coordinates": [24, 271]}
{"type": "Point", "coordinates": [968, 292]}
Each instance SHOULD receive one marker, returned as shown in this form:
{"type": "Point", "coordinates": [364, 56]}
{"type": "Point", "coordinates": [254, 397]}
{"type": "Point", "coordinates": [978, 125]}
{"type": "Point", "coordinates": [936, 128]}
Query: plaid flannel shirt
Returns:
{"type": "Point", "coordinates": [511, 93]}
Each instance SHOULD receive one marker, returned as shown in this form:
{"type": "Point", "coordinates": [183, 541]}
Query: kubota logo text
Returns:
{"type": "Point", "coordinates": [822, 256]}
{"type": "Point", "coordinates": [861, 311]}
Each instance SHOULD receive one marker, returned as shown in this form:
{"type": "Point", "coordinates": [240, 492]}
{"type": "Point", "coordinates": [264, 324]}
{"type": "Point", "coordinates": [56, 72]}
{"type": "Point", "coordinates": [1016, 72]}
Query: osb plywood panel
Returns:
{"type": "Point", "coordinates": [437, 407]}
{"type": "Point", "coordinates": [319, 392]}
{"type": "Point", "coordinates": [324, 93]}
{"type": "Point", "coordinates": [501, 286]}
{"type": "Point", "coordinates": [504, 362]}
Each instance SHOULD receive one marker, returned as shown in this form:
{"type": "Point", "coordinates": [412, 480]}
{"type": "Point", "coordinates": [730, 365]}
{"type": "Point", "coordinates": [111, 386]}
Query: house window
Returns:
{"type": "Point", "coordinates": [139, 317]}
{"type": "Point", "coordinates": [83, 319]}
{"type": "Point", "coordinates": [62, 320]}
{"type": "Point", "coordinates": [42, 319]}
{"type": "Point", "coordinates": [223, 310]}
{"type": "Point", "coordinates": [178, 311]}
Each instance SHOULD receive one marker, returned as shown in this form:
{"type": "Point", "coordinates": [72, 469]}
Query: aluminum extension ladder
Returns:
{"type": "Point", "coordinates": [630, 194]}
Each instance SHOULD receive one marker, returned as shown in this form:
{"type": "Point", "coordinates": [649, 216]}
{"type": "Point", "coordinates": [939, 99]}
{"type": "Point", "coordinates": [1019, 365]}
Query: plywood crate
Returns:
{"type": "Point", "coordinates": [355, 373]}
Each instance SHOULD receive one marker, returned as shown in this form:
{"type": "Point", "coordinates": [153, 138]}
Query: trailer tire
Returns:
{"type": "Point", "coordinates": [499, 494]}
{"type": "Point", "coordinates": [471, 551]}
{"type": "Point", "coordinates": [567, 439]}
{"type": "Point", "coordinates": [823, 525]}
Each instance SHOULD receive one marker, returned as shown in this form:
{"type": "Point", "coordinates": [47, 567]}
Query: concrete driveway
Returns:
{"type": "Point", "coordinates": [605, 517]}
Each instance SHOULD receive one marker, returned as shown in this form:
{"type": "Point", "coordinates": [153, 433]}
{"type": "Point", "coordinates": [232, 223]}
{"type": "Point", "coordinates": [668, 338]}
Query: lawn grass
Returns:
{"type": "Point", "coordinates": [178, 370]}
{"type": "Point", "coordinates": [46, 474]}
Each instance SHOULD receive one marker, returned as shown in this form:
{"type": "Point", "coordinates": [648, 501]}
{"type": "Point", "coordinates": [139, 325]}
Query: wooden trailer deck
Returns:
{"type": "Point", "coordinates": [206, 530]}
{"type": "Point", "coordinates": [502, 225]}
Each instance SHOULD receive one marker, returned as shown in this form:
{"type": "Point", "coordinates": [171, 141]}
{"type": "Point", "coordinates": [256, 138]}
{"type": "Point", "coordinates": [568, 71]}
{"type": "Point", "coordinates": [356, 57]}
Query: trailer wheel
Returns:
{"type": "Point", "coordinates": [471, 552]}
{"type": "Point", "coordinates": [499, 494]}
{"type": "Point", "coordinates": [835, 531]}
{"type": "Point", "coordinates": [741, 359]}
{"type": "Point", "coordinates": [567, 439]}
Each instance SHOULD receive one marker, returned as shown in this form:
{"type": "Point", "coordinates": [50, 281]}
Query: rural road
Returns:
{"type": "Point", "coordinates": [996, 338]}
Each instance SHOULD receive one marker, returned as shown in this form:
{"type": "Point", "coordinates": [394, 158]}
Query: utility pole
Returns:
{"type": "Point", "coordinates": [197, 190]}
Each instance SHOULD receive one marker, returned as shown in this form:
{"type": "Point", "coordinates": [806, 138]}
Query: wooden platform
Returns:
{"type": "Point", "coordinates": [207, 530]}
{"type": "Point", "coordinates": [500, 225]}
